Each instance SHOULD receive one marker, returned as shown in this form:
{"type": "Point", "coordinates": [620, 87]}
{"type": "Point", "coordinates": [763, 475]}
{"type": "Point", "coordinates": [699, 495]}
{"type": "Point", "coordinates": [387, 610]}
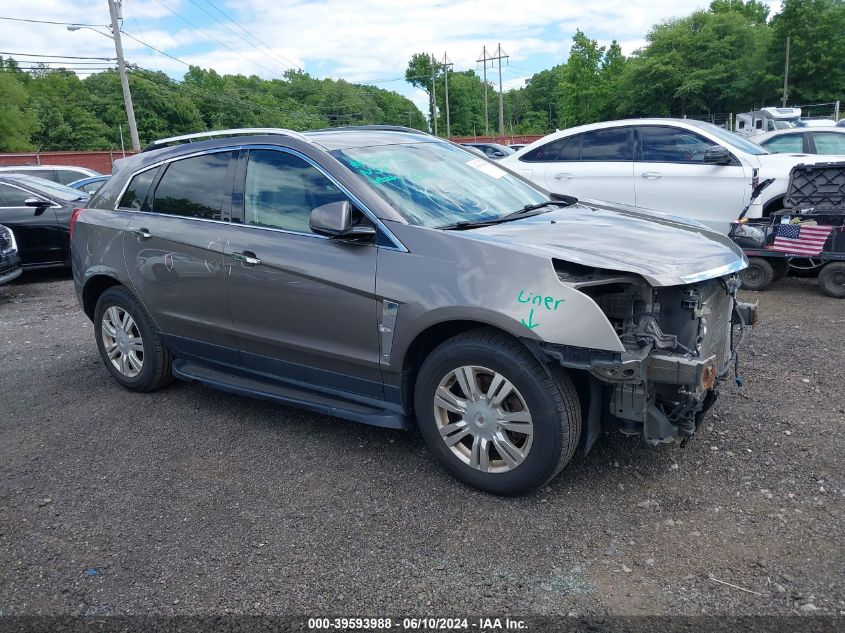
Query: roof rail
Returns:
{"type": "Point", "coordinates": [234, 132]}
{"type": "Point", "coordinates": [386, 128]}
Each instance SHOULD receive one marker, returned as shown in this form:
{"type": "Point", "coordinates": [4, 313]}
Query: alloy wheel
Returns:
{"type": "Point", "coordinates": [483, 419]}
{"type": "Point", "coordinates": [122, 341]}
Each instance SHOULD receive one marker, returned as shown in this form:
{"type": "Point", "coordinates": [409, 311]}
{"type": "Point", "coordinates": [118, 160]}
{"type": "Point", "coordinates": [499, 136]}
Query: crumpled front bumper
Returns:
{"type": "Point", "coordinates": [658, 393]}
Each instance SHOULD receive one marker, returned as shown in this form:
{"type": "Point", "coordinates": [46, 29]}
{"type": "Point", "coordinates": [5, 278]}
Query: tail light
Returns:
{"type": "Point", "coordinates": [73, 218]}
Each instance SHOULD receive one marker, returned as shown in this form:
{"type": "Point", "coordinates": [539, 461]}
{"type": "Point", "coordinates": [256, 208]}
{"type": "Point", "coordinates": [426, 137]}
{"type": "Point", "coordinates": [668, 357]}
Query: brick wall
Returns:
{"type": "Point", "coordinates": [99, 161]}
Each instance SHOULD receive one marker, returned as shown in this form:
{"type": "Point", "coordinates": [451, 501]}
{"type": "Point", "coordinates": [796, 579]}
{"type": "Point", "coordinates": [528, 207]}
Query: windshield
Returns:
{"type": "Point", "coordinates": [784, 125]}
{"type": "Point", "coordinates": [51, 189]}
{"type": "Point", "coordinates": [436, 184]}
{"type": "Point", "coordinates": [730, 138]}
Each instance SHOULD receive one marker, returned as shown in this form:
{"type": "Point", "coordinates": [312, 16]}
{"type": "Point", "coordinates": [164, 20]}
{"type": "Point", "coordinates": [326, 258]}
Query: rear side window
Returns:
{"type": "Point", "coordinates": [49, 174]}
{"type": "Point", "coordinates": [610, 145]}
{"type": "Point", "coordinates": [67, 176]}
{"type": "Point", "coordinates": [786, 143]}
{"type": "Point", "coordinates": [829, 143]}
{"type": "Point", "coordinates": [194, 187]}
{"type": "Point", "coordinates": [135, 197]}
{"type": "Point", "coordinates": [563, 149]}
{"type": "Point", "coordinates": [659, 144]}
{"type": "Point", "coordinates": [12, 197]}
{"type": "Point", "coordinates": [282, 190]}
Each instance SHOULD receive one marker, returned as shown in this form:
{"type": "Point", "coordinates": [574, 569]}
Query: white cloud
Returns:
{"type": "Point", "coordinates": [359, 40]}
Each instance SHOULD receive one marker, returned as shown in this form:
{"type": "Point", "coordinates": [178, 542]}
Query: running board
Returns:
{"type": "Point", "coordinates": [256, 387]}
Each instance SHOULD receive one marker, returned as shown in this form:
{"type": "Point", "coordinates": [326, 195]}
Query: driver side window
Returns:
{"type": "Point", "coordinates": [282, 190]}
{"type": "Point", "coordinates": [661, 144]}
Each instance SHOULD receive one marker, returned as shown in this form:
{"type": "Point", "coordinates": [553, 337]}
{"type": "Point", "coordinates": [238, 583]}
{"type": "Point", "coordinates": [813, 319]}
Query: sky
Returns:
{"type": "Point", "coordinates": [362, 41]}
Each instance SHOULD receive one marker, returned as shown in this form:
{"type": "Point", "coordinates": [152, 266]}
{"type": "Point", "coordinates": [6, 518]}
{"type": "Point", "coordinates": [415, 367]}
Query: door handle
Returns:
{"type": "Point", "coordinates": [652, 175]}
{"type": "Point", "coordinates": [247, 257]}
{"type": "Point", "coordinates": [143, 234]}
{"type": "Point", "coordinates": [563, 176]}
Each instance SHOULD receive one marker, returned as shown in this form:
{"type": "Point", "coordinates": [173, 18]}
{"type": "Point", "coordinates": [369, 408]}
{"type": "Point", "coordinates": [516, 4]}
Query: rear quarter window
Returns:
{"type": "Point", "coordinates": [562, 149]}
{"type": "Point", "coordinates": [136, 196]}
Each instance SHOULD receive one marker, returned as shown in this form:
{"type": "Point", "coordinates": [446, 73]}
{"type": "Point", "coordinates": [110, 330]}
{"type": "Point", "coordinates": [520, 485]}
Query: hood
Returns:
{"type": "Point", "coordinates": [774, 165]}
{"type": "Point", "coordinates": [665, 250]}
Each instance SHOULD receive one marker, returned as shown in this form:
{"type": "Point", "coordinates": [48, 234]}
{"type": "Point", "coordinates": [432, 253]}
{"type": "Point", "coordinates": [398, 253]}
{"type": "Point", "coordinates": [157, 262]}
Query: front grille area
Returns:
{"type": "Point", "coordinates": [5, 239]}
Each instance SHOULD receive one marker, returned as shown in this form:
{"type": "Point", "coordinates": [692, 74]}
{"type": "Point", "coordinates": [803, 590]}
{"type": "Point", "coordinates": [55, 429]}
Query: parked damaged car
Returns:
{"type": "Point", "coordinates": [385, 276]}
{"type": "Point", "coordinates": [10, 261]}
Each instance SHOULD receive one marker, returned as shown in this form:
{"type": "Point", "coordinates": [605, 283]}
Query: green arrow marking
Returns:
{"type": "Point", "coordinates": [531, 324]}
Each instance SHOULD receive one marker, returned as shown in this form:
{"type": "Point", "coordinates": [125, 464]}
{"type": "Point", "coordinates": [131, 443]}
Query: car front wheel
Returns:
{"type": "Point", "coordinates": [493, 415]}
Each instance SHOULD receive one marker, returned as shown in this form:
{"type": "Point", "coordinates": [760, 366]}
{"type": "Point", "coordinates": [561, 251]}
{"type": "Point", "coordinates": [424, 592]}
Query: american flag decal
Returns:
{"type": "Point", "coordinates": [800, 239]}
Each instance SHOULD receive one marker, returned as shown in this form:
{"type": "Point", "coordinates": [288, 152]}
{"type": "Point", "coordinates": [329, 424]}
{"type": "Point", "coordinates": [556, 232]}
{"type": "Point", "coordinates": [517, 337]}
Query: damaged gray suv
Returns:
{"type": "Point", "coordinates": [386, 276]}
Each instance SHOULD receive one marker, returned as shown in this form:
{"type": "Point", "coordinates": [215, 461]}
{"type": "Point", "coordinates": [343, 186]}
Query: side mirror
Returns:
{"type": "Point", "coordinates": [717, 155]}
{"type": "Point", "coordinates": [38, 203]}
{"type": "Point", "coordinates": [334, 220]}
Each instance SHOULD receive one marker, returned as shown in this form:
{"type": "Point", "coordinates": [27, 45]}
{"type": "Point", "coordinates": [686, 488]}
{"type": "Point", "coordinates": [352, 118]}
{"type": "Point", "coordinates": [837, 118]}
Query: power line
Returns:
{"type": "Point", "coordinates": [231, 30]}
{"type": "Point", "coordinates": [220, 11]}
{"type": "Point", "coordinates": [208, 35]}
{"type": "Point", "coordinates": [129, 35]}
{"type": "Point", "coordinates": [61, 62]}
{"type": "Point", "coordinates": [48, 22]}
{"type": "Point", "coordinates": [107, 59]}
{"type": "Point", "coordinates": [138, 26]}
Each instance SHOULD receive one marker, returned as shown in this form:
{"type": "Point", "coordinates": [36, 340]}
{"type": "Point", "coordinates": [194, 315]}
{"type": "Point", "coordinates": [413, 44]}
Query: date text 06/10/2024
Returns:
{"type": "Point", "coordinates": [482, 625]}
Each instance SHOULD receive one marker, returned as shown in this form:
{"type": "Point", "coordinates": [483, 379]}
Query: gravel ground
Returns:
{"type": "Point", "coordinates": [191, 501]}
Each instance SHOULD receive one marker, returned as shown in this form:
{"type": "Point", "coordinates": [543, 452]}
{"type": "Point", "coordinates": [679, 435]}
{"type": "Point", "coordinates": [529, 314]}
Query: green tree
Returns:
{"type": "Point", "coordinates": [17, 120]}
{"type": "Point", "coordinates": [816, 29]}
{"type": "Point", "coordinates": [707, 62]}
{"type": "Point", "coordinates": [61, 103]}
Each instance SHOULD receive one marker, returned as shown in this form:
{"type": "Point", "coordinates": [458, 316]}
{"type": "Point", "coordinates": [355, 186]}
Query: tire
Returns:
{"type": "Point", "coordinates": [151, 368]}
{"type": "Point", "coordinates": [758, 276]}
{"type": "Point", "coordinates": [780, 266]}
{"type": "Point", "coordinates": [832, 279]}
{"type": "Point", "coordinates": [545, 395]}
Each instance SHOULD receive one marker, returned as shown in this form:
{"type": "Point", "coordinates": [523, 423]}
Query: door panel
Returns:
{"type": "Point", "coordinates": [308, 310]}
{"type": "Point", "coordinates": [670, 176]}
{"type": "Point", "coordinates": [174, 253]}
{"type": "Point", "coordinates": [178, 271]}
{"type": "Point", "coordinates": [40, 238]}
{"type": "Point", "coordinates": [596, 164]}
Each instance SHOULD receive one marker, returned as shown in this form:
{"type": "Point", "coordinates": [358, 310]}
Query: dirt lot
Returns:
{"type": "Point", "coordinates": [190, 501]}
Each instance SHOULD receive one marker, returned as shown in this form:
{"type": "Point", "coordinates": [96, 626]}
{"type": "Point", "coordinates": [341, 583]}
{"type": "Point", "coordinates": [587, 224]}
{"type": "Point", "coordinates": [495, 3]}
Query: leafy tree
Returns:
{"type": "Point", "coordinates": [816, 29]}
{"type": "Point", "coordinates": [17, 121]}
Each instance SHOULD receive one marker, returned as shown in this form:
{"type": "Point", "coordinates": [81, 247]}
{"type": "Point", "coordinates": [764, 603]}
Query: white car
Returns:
{"type": "Point", "coordinates": [826, 141]}
{"type": "Point", "coordinates": [676, 166]}
{"type": "Point", "coordinates": [62, 174]}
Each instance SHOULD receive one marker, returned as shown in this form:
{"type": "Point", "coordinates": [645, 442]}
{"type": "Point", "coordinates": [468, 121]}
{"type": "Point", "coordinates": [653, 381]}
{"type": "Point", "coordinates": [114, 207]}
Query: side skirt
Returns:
{"type": "Point", "coordinates": [257, 387]}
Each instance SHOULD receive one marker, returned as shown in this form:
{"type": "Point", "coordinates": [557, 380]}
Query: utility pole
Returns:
{"type": "Point", "coordinates": [446, 65]}
{"type": "Point", "coordinates": [434, 93]}
{"type": "Point", "coordinates": [499, 56]}
{"type": "Point", "coordinates": [115, 11]}
{"type": "Point", "coordinates": [484, 61]}
{"type": "Point", "coordinates": [786, 73]}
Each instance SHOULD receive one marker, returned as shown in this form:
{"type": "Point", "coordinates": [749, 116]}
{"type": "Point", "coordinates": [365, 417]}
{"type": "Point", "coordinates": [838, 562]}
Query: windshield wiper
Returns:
{"type": "Point", "coordinates": [534, 207]}
{"type": "Point", "coordinates": [515, 215]}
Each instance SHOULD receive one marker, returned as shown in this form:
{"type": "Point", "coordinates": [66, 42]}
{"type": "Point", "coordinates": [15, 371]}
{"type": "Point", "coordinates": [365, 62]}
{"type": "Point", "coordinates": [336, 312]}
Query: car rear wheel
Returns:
{"type": "Point", "coordinates": [493, 415]}
{"type": "Point", "coordinates": [129, 345]}
{"type": "Point", "coordinates": [832, 279]}
{"type": "Point", "coordinates": [759, 274]}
